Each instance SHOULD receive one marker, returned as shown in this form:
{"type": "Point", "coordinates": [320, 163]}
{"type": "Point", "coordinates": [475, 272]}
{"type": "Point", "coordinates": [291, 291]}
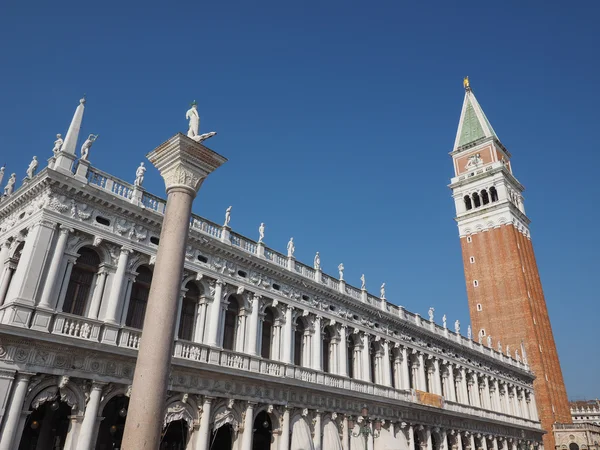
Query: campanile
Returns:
{"type": "Point", "coordinates": [506, 300]}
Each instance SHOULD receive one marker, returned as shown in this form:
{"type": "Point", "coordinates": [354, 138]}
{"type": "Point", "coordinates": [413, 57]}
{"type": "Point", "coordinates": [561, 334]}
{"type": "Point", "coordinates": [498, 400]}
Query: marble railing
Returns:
{"type": "Point", "coordinates": [115, 186]}
{"type": "Point", "coordinates": [492, 415]}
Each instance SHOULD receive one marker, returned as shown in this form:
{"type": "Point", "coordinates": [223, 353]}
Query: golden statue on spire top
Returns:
{"type": "Point", "coordinates": [466, 83]}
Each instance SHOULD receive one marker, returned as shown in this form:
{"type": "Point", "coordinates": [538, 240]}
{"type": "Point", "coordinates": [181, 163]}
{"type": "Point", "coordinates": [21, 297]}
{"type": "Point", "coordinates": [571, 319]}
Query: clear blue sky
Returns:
{"type": "Point", "coordinates": [337, 119]}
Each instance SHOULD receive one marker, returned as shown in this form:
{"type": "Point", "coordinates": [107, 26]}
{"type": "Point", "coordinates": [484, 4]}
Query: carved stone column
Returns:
{"type": "Point", "coordinates": [405, 372]}
{"type": "Point", "coordinates": [285, 430]}
{"type": "Point", "coordinates": [421, 372]}
{"type": "Point", "coordinates": [202, 439]}
{"type": "Point", "coordinates": [366, 358]}
{"type": "Point", "coordinates": [88, 426]}
{"type": "Point", "coordinates": [345, 434]}
{"type": "Point", "coordinates": [318, 437]}
{"type": "Point", "coordinates": [451, 383]}
{"type": "Point", "coordinates": [47, 300]}
{"type": "Point", "coordinates": [343, 353]}
{"type": "Point", "coordinates": [184, 164]}
{"type": "Point", "coordinates": [215, 311]}
{"type": "Point", "coordinates": [288, 341]}
{"type": "Point", "coordinates": [253, 330]}
{"type": "Point", "coordinates": [248, 433]}
{"type": "Point", "coordinates": [98, 292]}
{"type": "Point", "coordinates": [114, 300]}
{"type": "Point", "coordinates": [4, 255]}
{"type": "Point", "coordinates": [317, 345]}
{"type": "Point", "coordinates": [387, 370]}
{"type": "Point", "coordinates": [8, 438]}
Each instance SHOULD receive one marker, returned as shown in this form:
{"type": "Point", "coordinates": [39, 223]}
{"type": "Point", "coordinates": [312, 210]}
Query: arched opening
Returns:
{"type": "Point", "coordinates": [267, 334]}
{"type": "Point", "coordinates": [493, 194]}
{"type": "Point", "coordinates": [46, 427]}
{"type": "Point", "coordinates": [231, 320]}
{"type": "Point", "coordinates": [110, 433]}
{"type": "Point", "coordinates": [573, 446]}
{"type": "Point", "coordinates": [435, 441]}
{"type": "Point", "coordinates": [263, 432]}
{"type": "Point", "coordinates": [81, 282]}
{"type": "Point", "coordinates": [485, 199]}
{"type": "Point", "coordinates": [188, 312]}
{"type": "Point", "coordinates": [326, 350]}
{"type": "Point", "coordinates": [468, 204]}
{"type": "Point", "coordinates": [139, 298]}
{"type": "Point", "coordinates": [174, 436]}
{"type": "Point", "coordinates": [299, 342]}
{"type": "Point", "coordinates": [418, 440]}
{"type": "Point", "coordinates": [476, 200]}
{"type": "Point", "coordinates": [222, 438]}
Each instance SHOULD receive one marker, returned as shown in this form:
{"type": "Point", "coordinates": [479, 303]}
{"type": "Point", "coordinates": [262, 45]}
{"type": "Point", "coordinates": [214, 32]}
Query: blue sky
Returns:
{"type": "Point", "coordinates": [337, 119]}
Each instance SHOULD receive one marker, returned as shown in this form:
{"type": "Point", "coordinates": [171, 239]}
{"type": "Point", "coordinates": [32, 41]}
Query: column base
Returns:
{"type": "Point", "coordinates": [42, 318]}
{"type": "Point", "coordinates": [64, 163]}
{"type": "Point", "coordinates": [16, 314]}
{"type": "Point", "coordinates": [82, 171]}
{"type": "Point", "coordinates": [110, 334]}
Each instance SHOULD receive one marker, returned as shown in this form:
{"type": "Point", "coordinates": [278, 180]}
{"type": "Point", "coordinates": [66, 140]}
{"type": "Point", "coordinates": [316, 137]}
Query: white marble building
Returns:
{"type": "Point", "coordinates": [269, 352]}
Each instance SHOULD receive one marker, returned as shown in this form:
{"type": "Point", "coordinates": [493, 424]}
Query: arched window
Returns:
{"type": "Point", "coordinates": [326, 348]}
{"type": "Point", "coordinates": [493, 194]}
{"type": "Point", "coordinates": [573, 446]}
{"type": "Point", "coordinates": [188, 312]}
{"type": "Point", "coordinates": [139, 298]}
{"type": "Point", "coordinates": [267, 334]}
{"type": "Point", "coordinates": [299, 341]}
{"type": "Point", "coordinates": [485, 199]}
{"type": "Point", "coordinates": [476, 200]}
{"type": "Point", "coordinates": [468, 204]}
{"type": "Point", "coordinates": [231, 320]}
{"type": "Point", "coordinates": [263, 432]}
{"type": "Point", "coordinates": [81, 282]}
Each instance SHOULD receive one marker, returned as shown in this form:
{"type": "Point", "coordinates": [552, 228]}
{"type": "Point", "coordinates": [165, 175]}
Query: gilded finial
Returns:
{"type": "Point", "coordinates": [466, 83]}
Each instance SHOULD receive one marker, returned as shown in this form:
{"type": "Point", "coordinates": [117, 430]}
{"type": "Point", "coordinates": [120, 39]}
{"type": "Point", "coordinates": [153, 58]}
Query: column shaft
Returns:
{"type": "Point", "coordinates": [144, 420]}
{"type": "Point", "coordinates": [387, 370]}
{"type": "Point", "coordinates": [345, 435]}
{"type": "Point", "coordinates": [88, 426]}
{"type": "Point", "coordinates": [247, 435]}
{"type": "Point", "coordinates": [253, 331]}
{"type": "Point", "coordinates": [7, 440]}
{"type": "Point", "coordinates": [405, 373]}
{"type": "Point", "coordinates": [117, 287]}
{"type": "Point", "coordinates": [203, 433]}
{"type": "Point", "coordinates": [343, 353]}
{"type": "Point", "coordinates": [97, 298]}
{"type": "Point", "coordinates": [287, 336]}
{"type": "Point", "coordinates": [6, 279]}
{"type": "Point", "coordinates": [47, 300]}
{"type": "Point", "coordinates": [317, 345]}
{"type": "Point", "coordinates": [285, 430]}
{"type": "Point", "coordinates": [215, 312]}
{"type": "Point", "coordinates": [421, 370]}
{"type": "Point", "coordinates": [318, 439]}
{"type": "Point", "coordinates": [366, 358]}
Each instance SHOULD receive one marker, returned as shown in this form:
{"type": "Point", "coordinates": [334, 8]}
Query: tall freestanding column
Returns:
{"type": "Point", "coordinates": [14, 412]}
{"type": "Point", "coordinates": [184, 164]}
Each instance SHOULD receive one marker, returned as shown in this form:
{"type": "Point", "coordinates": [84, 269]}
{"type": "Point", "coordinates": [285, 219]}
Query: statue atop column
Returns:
{"type": "Point", "coordinates": [10, 186]}
{"type": "Point", "coordinates": [317, 262]}
{"type": "Point", "coordinates": [227, 217]}
{"type": "Point", "coordinates": [261, 232]}
{"type": "Point", "coordinates": [194, 124]}
{"type": "Point", "coordinates": [58, 143]}
{"type": "Point", "coordinates": [291, 248]}
{"type": "Point", "coordinates": [139, 175]}
{"type": "Point", "coordinates": [341, 270]}
{"type": "Point", "coordinates": [32, 168]}
{"type": "Point", "coordinates": [85, 148]}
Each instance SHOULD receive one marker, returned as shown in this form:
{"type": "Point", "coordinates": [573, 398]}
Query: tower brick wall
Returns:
{"type": "Point", "coordinates": [508, 303]}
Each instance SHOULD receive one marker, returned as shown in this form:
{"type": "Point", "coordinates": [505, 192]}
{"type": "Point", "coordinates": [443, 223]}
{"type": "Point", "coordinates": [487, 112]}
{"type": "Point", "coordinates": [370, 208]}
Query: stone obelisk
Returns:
{"type": "Point", "coordinates": [184, 163]}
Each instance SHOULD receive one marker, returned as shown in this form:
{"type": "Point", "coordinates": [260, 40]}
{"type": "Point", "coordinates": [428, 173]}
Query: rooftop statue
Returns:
{"type": "Point", "coordinates": [139, 175]}
{"type": "Point", "coordinates": [341, 270]}
{"type": "Point", "coordinates": [466, 83]}
{"type": "Point", "coordinates": [444, 320]}
{"type": "Point", "coordinates": [317, 262]}
{"type": "Point", "coordinates": [261, 232]}
{"type": "Point", "coordinates": [291, 248]}
{"type": "Point", "coordinates": [382, 291]}
{"type": "Point", "coordinates": [469, 332]}
{"type": "Point", "coordinates": [489, 341]}
{"type": "Point", "coordinates": [457, 327]}
{"type": "Point", "coordinates": [227, 217]}
{"type": "Point", "coordinates": [32, 167]}
{"type": "Point", "coordinates": [2, 169]}
{"type": "Point", "coordinates": [85, 148]}
{"type": "Point", "coordinates": [430, 312]}
{"type": "Point", "coordinates": [58, 143]}
{"type": "Point", "coordinates": [10, 186]}
{"type": "Point", "coordinates": [363, 283]}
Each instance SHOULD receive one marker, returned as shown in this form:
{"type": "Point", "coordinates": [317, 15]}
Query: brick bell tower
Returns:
{"type": "Point", "coordinates": [506, 300]}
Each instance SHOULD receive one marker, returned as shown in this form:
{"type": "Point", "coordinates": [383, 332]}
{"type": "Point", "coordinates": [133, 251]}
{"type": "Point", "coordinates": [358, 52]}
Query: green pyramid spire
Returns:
{"type": "Point", "coordinates": [473, 124]}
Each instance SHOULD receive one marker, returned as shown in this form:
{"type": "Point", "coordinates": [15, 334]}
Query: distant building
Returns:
{"type": "Point", "coordinates": [586, 411]}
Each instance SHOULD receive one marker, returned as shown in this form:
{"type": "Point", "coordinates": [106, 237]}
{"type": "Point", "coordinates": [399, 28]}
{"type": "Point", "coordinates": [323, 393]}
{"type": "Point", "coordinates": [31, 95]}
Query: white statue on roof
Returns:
{"type": "Point", "coordinates": [341, 270]}
{"type": "Point", "coordinates": [317, 262]}
{"type": "Point", "coordinates": [363, 283]}
{"type": "Point", "coordinates": [291, 248]}
{"type": "Point", "coordinates": [139, 175]}
{"type": "Point", "coordinates": [457, 327]}
{"type": "Point", "coordinates": [469, 332]}
{"type": "Point", "coordinates": [444, 321]}
{"type": "Point", "coordinates": [32, 167]}
{"type": "Point", "coordinates": [2, 169]}
{"type": "Point", "coordinates": [85, 148]}
{"type": "Point", "coordinates": [430, 312]}
{"type": "Point", "coordinates": [227, 217]}
{"type": "Point", "coordinates": [382, 292]}
{"type": "Point", "coordinates": [489, 341]}
{"type": "Point", "coordinates": [261, 232]}
{"type": "Point", "coordinates": [58, 143]}
{"type": "Point", "coordinates": [10, 186]}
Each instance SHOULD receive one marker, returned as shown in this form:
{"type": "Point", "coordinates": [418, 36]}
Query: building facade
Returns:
{"type": "Point", "coordinates": [586, 411]}
{"type": "Point", "coordinates": [269, 353]}
{"type": "Point", "coordinates": [506, 300]}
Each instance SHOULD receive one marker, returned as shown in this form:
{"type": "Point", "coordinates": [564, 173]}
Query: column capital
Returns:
{"type": "Point", "coordinates": [65, 230]}
{"type": "Point", "coordinates": [184, 163]}
{"type": "Point", "coordinates": [126, 250]}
